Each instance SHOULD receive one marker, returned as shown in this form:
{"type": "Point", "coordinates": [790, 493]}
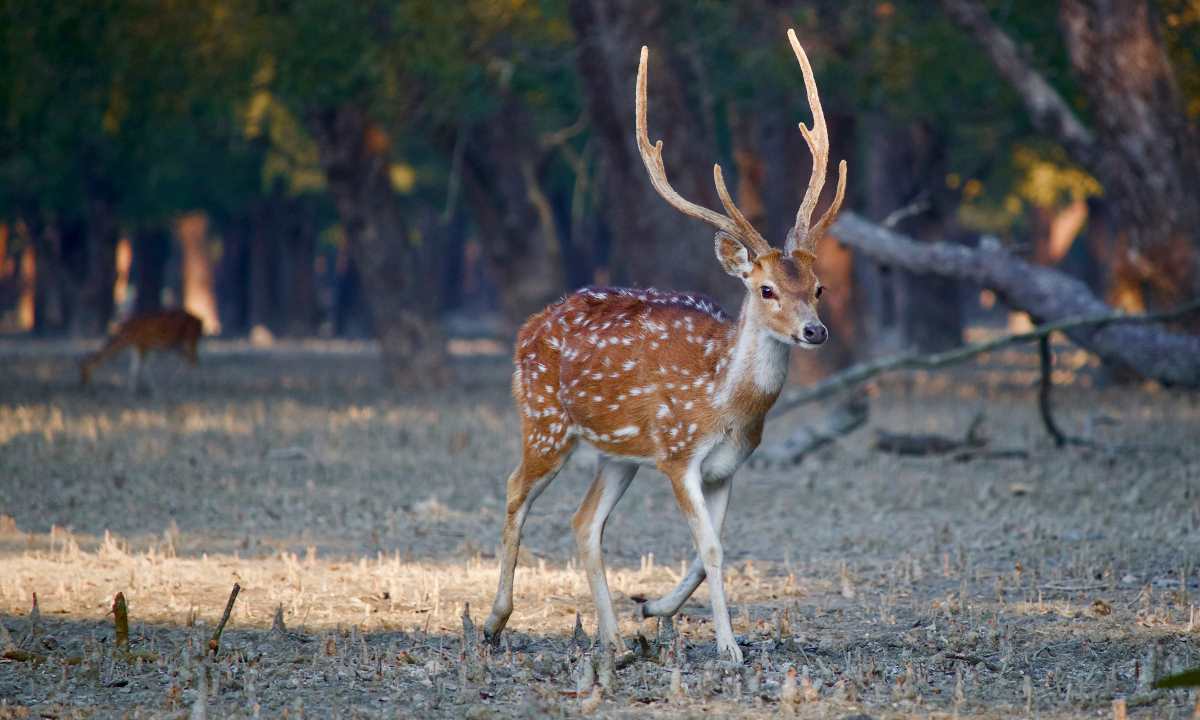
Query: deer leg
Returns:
{"type": "Point", "coordinates": [689, 492]}
{"type": "Point", "coordinates": [612, 480]}
{"type": "Point", "coordinates": [524, 485]}
{"type": "Point", "coordinates": [716, 496]}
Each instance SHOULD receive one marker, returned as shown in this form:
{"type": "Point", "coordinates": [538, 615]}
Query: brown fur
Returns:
{"type": "Point", "coordinates": [175, 330]}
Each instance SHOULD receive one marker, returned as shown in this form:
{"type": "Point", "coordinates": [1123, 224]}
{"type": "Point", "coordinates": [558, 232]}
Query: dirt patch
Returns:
{"type": "Point", "coordinates": [1047, 584]}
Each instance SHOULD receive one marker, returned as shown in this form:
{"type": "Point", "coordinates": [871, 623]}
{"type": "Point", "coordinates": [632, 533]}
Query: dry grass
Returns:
{"type": "Point", "coordinates": [896, 587]}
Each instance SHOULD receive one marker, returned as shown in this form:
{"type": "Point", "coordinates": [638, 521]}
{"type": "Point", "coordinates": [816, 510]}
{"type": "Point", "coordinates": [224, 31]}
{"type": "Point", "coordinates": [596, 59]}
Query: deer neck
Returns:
{"type": "Point", "coordinates": [757, 365]}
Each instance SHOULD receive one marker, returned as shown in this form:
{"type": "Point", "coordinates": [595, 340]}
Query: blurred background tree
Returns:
{"type": "Point", "coordinates": [418, 170]}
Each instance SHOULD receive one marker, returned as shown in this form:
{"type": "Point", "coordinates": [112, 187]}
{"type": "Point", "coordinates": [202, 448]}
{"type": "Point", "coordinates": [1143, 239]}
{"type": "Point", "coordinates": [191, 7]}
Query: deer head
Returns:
{"type": "Point", "coordinates": [781, 285]}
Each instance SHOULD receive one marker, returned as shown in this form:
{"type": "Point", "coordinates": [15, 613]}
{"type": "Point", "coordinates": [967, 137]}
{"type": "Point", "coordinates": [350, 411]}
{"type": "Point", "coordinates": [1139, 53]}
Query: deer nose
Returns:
{"type": "Point", "coordinates": [815, 333]}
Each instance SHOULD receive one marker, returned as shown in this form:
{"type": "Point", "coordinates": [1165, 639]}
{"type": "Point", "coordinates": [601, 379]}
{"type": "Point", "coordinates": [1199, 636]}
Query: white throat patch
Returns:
{"type": "Point", "coordinates": [757, 357]}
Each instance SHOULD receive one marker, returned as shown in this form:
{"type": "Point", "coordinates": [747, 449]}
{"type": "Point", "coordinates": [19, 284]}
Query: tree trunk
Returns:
{"type": "Point", "coordinates": [52, 301]}
{"type": "Point", "coordinates": [1143, 149]}
{"type": "Point", "coordinates": [519, 235]}
{"type": "Point", "coordinates": [94, 303]}
{"type": "Point", "coordinates": [1149, 162]}
{"type": "Point", "coordinates": [299, 285]}
{"type": "Point", "coordinates": [264, 258]}
{"type": "Point", "coordinates": [233, 275]}
{"type": "Point", "coordinates": [196, 270]}
{"type": "Point", "coordinates": [1046, 294]}
{"type": "Point", "coordinates": [652, 243]}
{"type": "Point", "coordinates": [903, 310]}
{"type": "Point", "coordinates": [404, 308]}
{"type": "Point", "coordinates": [151, 250]}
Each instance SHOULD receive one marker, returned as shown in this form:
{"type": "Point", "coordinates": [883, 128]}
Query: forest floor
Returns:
{"type": "Point", "coordinates": [1030, 581]}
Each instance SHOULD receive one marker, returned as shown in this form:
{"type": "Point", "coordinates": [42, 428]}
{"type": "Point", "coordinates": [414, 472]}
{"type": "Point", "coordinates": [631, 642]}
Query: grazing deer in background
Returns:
{"type": "Point", "coordinates": [164, 330]}
{"type": "Point", "coordinates": [667, 380]}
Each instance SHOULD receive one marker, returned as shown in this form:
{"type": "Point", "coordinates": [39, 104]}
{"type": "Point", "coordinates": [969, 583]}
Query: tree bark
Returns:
{"type": "Point", "coordinates": [519, 236]}
{"type": "Point", "coordinates": [905, 164]}
{"type": "Point", "coordinates": [94, 304]}
{"type": "Point", "coordinates": [653, 244]}
{"type": "Point", "coordinates": [1046, 294]}
{"type": "Point", "coordinates": [300, 312]}
{"type": "Point", "coordinates": [404, 308]}
{"type": "Point", "coordinates": [196, 270]}
{"type": "Point", "coordinates": [1143, 149]}
{"type": "Point", "coordinates": [1150, 160]}
{"type": "Point", "coordinates": [151, 250]}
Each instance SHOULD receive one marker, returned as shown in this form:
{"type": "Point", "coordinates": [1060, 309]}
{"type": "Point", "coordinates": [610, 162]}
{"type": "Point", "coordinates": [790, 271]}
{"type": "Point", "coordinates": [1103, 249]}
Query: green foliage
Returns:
{"type": "Point", "coordinates": [161, 106]}
{"type": "Point", "coordinates": [128, 101]}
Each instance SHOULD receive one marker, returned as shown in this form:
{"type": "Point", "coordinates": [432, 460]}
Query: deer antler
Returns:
{"type": "Point", "coordinates": [804, 236]}
{"type": "Point", "coordinates": [734, 223]}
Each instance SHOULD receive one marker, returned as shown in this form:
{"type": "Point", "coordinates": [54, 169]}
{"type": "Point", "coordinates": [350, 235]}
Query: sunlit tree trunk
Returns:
{"type": "Point", "coordinates": [199, 297]}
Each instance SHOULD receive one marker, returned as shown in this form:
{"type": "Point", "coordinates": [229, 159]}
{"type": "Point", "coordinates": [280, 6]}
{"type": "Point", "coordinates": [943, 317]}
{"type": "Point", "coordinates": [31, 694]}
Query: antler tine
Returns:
{"type": "Point", "coordinates": [803, 236]}
{"type": "Point", "coordinates": [818, 230]}
{"type": "Point", "coordinates": [749, 236]}
{"type": "Point", "coordinates": [735, 225]}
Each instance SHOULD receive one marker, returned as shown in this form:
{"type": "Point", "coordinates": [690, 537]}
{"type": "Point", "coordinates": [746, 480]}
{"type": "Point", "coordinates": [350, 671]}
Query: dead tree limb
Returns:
{"type": "Point", "coordinates": [919, 444]}
{"type": "Point", "coordinates": [859, 374]}
{"type": "Point", "coordinates": [843, 420]}
{"type": "Point", "coordinates": [1048, 295]}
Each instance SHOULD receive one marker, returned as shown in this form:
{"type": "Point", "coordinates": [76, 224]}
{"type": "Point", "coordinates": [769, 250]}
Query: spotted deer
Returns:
{"type": "Point", "coordinates": [164, 330]}
{"type": "Point", "coordinates": [667, 380]}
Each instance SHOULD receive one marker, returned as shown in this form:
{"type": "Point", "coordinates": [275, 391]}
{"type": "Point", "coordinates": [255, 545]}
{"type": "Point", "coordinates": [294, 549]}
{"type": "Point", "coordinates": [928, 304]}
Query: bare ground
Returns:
{"type": "Point", "coordinates": [1048, 584]}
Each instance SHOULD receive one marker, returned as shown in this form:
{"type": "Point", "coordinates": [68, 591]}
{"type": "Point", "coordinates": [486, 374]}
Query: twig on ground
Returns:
{"type": "Point", "coordinates": [930, 444]}
{"type": "Point", "coordinates": [974, 660]}
{"type": "Point", "coordinates": [1073, 588]}
{"type": "Point", "coordinates": [19, 655]}
{"type": "Point", "coordinates": [982, 453]}
{"type": "Point", "coordinates": [214, 644]}
{"type": "Point", "coordinates": [120, 622]}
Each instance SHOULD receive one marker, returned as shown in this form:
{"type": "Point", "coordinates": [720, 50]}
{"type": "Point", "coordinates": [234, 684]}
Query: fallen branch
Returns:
{"type": "Point", "coordinates": [843, 420]}
{"type": "Point", "coordinates": [862, 372]}
{"type": "Point", "coordinates": [974, 660]}
{"type": "Point", "coordinates": [1048, 295]}
{"type": "Point", "coordinates": [930, 444]}
{"type": "Point", "coordinates": [19, 655]}
{"type": "Point", "coordinates": [214, 644]}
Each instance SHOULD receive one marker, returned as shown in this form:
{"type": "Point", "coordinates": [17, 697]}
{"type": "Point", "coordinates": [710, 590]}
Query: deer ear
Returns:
{"type": "Point", "coordinates": [734, 256]}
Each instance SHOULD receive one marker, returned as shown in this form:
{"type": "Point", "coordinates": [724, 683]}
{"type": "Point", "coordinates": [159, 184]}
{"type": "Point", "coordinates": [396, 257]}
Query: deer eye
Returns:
{"type": "Point", "coordinates": [767, 292]}
{"type": "Point", "coordinates": [820, 289]}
